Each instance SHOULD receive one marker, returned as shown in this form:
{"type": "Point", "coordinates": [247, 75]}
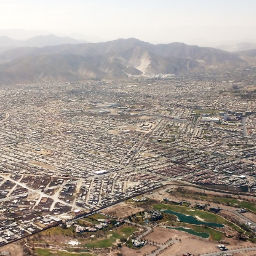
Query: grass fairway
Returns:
{"type": "Point", "coordinates": [207, 216]}
{"type": "Point", "coordinates": [127, 231]}
{"type": "Point", "coordinates": [59, 231]}
{"type": "Point", "coordinates": [47, 252]}
{"type": "Point", "coordinates": [43, 252]}
{"type": "Point", "coordinates": [104, 243]}
{"type": "Point", "coordinates": [251, 206]}
{"type": "Point", "coordinates": [248, 205]}
{"type": "Point", "coordinates": [214, 234]}
{"type": "Point", "coordinates": [112, 237]}
{"type": "Point", "coordinates": [233, 202]}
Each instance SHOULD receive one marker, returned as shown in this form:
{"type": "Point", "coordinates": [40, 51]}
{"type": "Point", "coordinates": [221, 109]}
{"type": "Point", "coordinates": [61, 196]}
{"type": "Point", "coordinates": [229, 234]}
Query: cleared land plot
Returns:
{"type": "Point", "coordinates": [122, 210]}
{"type": "Point", "coordinates": [139, 252]}
{"type": "Point", "coordinates": [13, 249]}
{"type": "Point", "coordinates": [159, 235]}
{"type": "Point", "coordinates": [187, 244]}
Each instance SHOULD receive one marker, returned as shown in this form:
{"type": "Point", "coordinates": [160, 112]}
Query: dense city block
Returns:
{"type": "Point", "coordinates": [71, 149]}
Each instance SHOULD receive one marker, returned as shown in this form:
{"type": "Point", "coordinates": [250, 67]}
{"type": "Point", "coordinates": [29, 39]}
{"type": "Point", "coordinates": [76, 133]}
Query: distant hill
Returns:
{"type": "Point", "coordinates": [8, 43]}
{"type": "Point", "coordinates": [248, 53]}
{"type": "Point", "coordinates": [50, 40]}
{"type": "Point", "coordinates": [249, 56]}
{"type": "Point", "coordinates": [237, 47]}
{"type": "Point", "coordinates": [38, 41]}
{"type": "Point", "coordinates": [114, 59]}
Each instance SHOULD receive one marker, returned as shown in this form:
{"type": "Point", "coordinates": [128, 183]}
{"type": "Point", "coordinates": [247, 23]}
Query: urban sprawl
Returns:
{"type": "Point", "coordinates": [70, 149]}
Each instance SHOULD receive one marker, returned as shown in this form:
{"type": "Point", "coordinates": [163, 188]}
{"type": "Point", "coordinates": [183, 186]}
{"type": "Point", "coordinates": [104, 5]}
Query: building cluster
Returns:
{"type": "Point", "coordinates": [71, 149]}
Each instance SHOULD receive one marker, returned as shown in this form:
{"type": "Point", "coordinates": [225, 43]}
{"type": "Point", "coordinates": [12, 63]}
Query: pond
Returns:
{"type": "Point", "coordinates": [191, 231]}
{"type": "Point", "coordinates": [192, 220]}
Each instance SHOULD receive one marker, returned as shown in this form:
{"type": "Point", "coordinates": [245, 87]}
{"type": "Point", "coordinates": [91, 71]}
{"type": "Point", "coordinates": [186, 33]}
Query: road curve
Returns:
{"type": "Point", "coordinates": [249, 249]}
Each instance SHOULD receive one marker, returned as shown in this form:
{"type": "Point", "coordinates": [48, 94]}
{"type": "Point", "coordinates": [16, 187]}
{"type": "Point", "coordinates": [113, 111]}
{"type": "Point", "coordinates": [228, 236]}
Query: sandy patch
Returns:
{"type": "Point", "coordinates": [122, 210]}
{"type": "Point", "coordinates": [147, 154]}
{"type": "Point", "coordinates": [141, 252]}
{"type": "Point", "coordinates": [200, 219]}
{"type": "Point", "coordinates": [44, 152]}
{"type": "Point", "coordinates": [186, 243]}
{"type": "Point", "coordinates": [13, 250]}
{"type": "Point", "coordinates": [43, 165]}
{"type": "Point", "coordinates": [113, 132]}
{"type": "Point", "coordinates": [159, 235]}
{"type": "Point", "coordinates": [189, 245]}
{"type": "Point", "coordinates": [250, 216]}
{"type": "Point", "coordinates": [32, 196]}
{"type": "Point", "coordinates": [145, 117]}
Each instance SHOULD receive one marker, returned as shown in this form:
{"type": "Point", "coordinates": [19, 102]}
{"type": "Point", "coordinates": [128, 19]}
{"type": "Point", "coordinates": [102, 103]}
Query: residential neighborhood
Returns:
{"type": "Point", "coordinates": [68, 150]}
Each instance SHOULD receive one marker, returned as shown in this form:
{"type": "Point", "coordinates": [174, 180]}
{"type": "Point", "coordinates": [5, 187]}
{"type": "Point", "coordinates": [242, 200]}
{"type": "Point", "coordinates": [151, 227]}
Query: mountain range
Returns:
{"type": "Point", "coordinates": [37, 41]}
{"type": "Point", "coordinates": [116, 59]}
{"type": "Point", "coordinates": [236, 47]}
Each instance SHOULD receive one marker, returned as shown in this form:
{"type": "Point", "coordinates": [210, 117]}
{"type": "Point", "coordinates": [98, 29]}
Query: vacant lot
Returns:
{"type": "Point", "coordinates": [159, 235]}
{"type": "Point", "coordinates": [13, 249]}
{"type": "Point", "coordinates": [187, 244]}
{"type": "Point", "coordinates": [122, 210]}
{"type": "Point", "coordinates": [139, 252]}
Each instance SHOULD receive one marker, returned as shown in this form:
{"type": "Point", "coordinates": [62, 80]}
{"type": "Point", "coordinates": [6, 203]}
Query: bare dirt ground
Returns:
{"type": "Point", "coordinates": [44, 165]}
{"type": "Point", "coordinates": [187, 244]}
{"type": "Point", "coordinates": [159, 195]}
{"type": "Point", "coordinates": [140, 252]}
{"type": "Point", "coordinates": [122, 210]}
{"type": "Point", "coordinates": [250, 216]}
{"type": "Point", "coordinates": [245, 254]}
{"type": "Point", "coordinates": [13, 250]}
{"type": "Point", "coordinates": [214, 193]}
{"type": "Point", "coordinates": [183, 242]}
{"type": "Point", "coordinates": [159, 235]}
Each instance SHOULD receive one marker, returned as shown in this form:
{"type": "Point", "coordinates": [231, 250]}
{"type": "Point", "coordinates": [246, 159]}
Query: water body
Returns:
{"type": "Point", "coordinates": [192, 232]}
{"type": "Point", "coordinates": [192, 220]}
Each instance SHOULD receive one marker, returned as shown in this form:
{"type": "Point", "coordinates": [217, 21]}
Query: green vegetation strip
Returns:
{"type": "Point", "coordinates": [191, 231]}
{"type": "Point", "coordinates": [112, 237]}
{"type": "Point", "coordinates": [47, 252]}
{"type": "Point", "coordinates": [59, 231]}
{"type": "Point", "coordinates": [214, 234]}
{"type": "Point", "coordinates": [251, 206]}
{"type": "Point", "coordinates": [206, 216]}
{"type": "Point", "coordinates": [192, 220]}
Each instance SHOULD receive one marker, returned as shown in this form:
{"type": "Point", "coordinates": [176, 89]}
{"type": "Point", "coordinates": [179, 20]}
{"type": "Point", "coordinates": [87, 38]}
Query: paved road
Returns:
{"type": "Point", "coordinates": [136, 148]}
{"type": "Point", "coordinates": [242, 217]}
{"type": "Point", "coordinates": [40, 193]}
{"type": "Point", "coordinates": [147, 231]}
{"type": "Point", "coordinates": [161, 247]}
{"type": "Point", "coordinates": [251, 249]}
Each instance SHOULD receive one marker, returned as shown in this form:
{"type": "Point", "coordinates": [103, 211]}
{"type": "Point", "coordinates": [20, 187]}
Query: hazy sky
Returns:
{"type": "Point", "coordinates": [190, 21]}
